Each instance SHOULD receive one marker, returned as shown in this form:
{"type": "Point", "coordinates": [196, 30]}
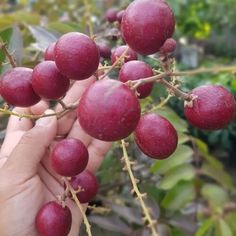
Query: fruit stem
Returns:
{"type": "Point", "coordinates": [3, 47]}
{"type": "Point", "coordinates": [85, 219]}
{"type": "Point", "coordinates": [119, 59]}
{"type": "Point", "coordinates": [88, 18]}
{"type": "Point", "coordinates": [140, 196]}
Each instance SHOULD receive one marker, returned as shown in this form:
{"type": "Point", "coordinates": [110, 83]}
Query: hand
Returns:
{"type": "Point", "coordinates": [26, 178]}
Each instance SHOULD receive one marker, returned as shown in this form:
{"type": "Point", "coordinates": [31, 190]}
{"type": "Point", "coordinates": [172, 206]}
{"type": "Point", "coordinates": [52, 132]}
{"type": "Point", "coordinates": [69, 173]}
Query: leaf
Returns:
{"type": "Point", "coordinates": [112, 223]}
{"type": "Point", "coordinates": [180, 124]}
{"type": "Point", "coordinates": [222, 228]}
{"type": "Point", "coordinates": [219, 175]}
{"type": "Point", "coordinates": [153, 192]}
{"type": "Point", "coordinates": [61, 27]}
{"type": "Point", "coordinates": [214, 194]}
{"type": "Point", "coordinates": [205, 227]}
{"type": "Point", "coordinates": [182, 155]}
{"type": "Point", "coordinates": [178, 196]}
{"type": "Point", "coordinates": [172, 177]}
{"type": "Point", "coordinates": [42, 36]}
{"type": "Point", "coordinates": [231, 219]}
{"type": "Point", "coordinates": [182, 138]}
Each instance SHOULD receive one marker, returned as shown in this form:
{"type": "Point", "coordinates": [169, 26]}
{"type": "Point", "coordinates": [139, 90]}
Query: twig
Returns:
{"type": "Point", "coordinates": [10, 58]}
{"type": "Point", "coordinates": [88, 17]}
{"type": "Point", "coordinates": [140, 196]}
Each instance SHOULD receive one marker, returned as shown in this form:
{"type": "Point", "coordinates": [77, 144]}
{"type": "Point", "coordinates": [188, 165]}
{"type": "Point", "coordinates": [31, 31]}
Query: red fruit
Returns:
{"type": "Point", "coordinates": [69, 157]}
{"type": "Point", "coordinates": [87, 182]}
{"type": "Point", "coordinates": [213, 108]}
{"type": "Point", "coordinates": [169, 46]}
{"type": "Point", "coordinates": [117, 52]}
{"type": "Point", "coordinates": [108, 110]}
{"type": "Point", "coordinates": [104, 50]}
{"type": "Point", "coordinates": [49, 54]}
{"type": "Point", "coordinates": [135, 70]}
{"type": "Point", "coordinates": [16, 88]}
{"type": "Point", "coordinates": [48, 82]}
{"type": "Point", "coordinates": [119, 15]}
{"type": "Point", "coordinates": [146, 24]}
{"type": "Point", "coordinates": [156, 136]}
{"type": "Point", "coordinates": [53, 219]}
{"type": "Point", "coordinates": [111, 15]}
{"type": "Point", "coordinates": [76, 56]}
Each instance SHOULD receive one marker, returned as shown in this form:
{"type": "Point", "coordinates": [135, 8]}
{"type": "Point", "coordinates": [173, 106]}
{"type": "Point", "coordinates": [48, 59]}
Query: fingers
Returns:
{"type": "Point", "coordinates": [28, 153]}
{"type": "Point", "coordinates": [73, 95]}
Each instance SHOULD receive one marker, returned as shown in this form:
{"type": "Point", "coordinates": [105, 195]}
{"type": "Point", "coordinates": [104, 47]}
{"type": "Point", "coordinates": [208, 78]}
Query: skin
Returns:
{"type": "Point", "coordinates": [26, 178]}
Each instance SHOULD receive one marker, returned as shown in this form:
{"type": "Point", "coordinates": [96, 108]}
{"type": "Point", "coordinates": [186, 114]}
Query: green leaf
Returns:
{"type": "Point", "coordinates": [61, 27]}
{"type": "Point", "coordinates": [172, 177]}
{"type": "Point", "coordinates": [182, 138]}
{"type": "Point", "coordinates": [205, 227]}
{"type": "Point", "coordinates": [222, 228]}
{"type": "Point", "coordinates": [231, 219]}
{"type": "Point", "coordinates": [178, 196]}
{"type": "Point", "coordinates": [214, 194]}
{"type": "Point", "coordinates": [182, 155]}
{"type": "Point", "coordinates": [180, 124]}
{"type": "Point", "coordinates": [219, 175]}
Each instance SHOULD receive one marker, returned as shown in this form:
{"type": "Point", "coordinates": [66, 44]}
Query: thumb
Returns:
{"type": "Point", "coordinates": [26, 156]}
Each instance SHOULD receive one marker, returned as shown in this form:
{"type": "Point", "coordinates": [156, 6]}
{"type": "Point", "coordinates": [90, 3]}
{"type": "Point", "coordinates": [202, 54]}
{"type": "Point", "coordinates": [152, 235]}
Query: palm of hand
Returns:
{"type": "Point", "coordinates": [23, 193]}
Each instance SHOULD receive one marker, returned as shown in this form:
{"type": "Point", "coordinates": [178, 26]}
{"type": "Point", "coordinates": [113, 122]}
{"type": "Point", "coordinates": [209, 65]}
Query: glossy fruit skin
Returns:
{"type": "Point", "coordinates": [104, 50]}
{"type": "Point", "coordinates": [88, 182]}
{"type": "Point", "coordinates": [156, 136]}
{"type": "Point", "coordinates": [110, 15]}
{"type": "Point", "coordinates": [48, 82]}
{"type": "Point", "coordinates": [16, 87]}
{"type": "Point", "coordinates": [108, 110]}
{"type": "Point", "coordinates": [135, 70]}
{"type": "Point", "coordinates": [169, 46]}
{"type": "Point", "coordinates": [52, 219]}
{"type": "Point", "coordinates": [119, 15]}
{"type": "Point", "coordinates": [213, 108]}
{"type": "Point", "coordinates": [146, 33]}
{"type": "Point", "coordinates": [69, 157]}
{"type": "Point", "coordinates": [117, 52]}
{"type": "Point", "coordinates": [49, 54]}
{"type": "Point", "coordinates": [76, 56]}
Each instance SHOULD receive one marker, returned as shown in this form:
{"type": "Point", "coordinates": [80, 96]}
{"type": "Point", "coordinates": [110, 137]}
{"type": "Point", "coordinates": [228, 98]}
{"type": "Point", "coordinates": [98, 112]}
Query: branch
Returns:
{"type": "Point", "coordinates": [140, 196]}
{"type": "Point", "coordinates": [10, 58]}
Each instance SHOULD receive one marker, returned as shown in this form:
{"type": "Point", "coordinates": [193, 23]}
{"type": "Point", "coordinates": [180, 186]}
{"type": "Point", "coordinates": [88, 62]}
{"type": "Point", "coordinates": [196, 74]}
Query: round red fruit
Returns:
{"type": "Point", "coordinates": [69, 157]}
{"type": "Point", "coordinates": [87, 183]}
{"type": "Point", "coordinates": [119, 15]}
{"type": "Point", "coordinates": [135, 70]}
{"type": "Point", "coordinates": [108, 110]}
{"type": "Point", "coordinates": [16, 87]}
{"type": "Point", "coordinates": [129, 56]}
{"type": "Point", "coordinates": [104, 50]}
{"type": "Point", "coordinates": [76, 56]}
{"type": "Point", "coordinates": [48, 82]}
{"type": "Point", "coordinates": [213, 107]}
{"type": "Point", "coordinates": [146, 33]}
{"type": "Point", "coordinates": [156, 136]}
{"type": "Point", "coordinates": [49, 54]}
{"type": "Point", "coordinates": [169, 46]}
{"type": "Point", "coordinates": [54, 219]}
{"type": "Point", "coordinates": [111, 15]}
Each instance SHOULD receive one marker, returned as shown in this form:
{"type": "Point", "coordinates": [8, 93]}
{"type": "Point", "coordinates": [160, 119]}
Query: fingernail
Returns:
{"type": "Point", "coordinates": [45, 121]}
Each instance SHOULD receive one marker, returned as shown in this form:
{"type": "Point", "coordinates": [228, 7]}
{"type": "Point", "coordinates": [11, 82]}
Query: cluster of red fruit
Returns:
{"type": "Point", "coordinates": [109, 110]}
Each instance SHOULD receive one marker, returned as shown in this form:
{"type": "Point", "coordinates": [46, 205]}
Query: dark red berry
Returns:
{"type": "Point", "coordinates": [146, 24]}
{"type": "Point", "coordinates": [48, 82]}
{"type": "Point", "coordinates": [213, 107]}
{"type": "Point", "coordinates": [16, 87]}
{"type": "Point", "coordinates": [111, 15]}
{"type": "Point", "coordinates": [108, 110]}
{"type": "Point", "coordinates": [87, 183]}
{"type": "Point", "coordinates": [169, 46]}
{"type": "Point", "coordinates": [135, 70]}
{"type": "Point", "coordinates": [104, 50]}
{"type": "Point", "coordinates": [54, 219]}
{"type": "Point", "coordinates": [119, 15]}
{"type": "Point", "coordinates": [156, 136]}
{"type": "Point", "coordinates": [76, 56]}
{"type": "Point", "coordinates": [69, 157]}
{"type": "Point", "coordinates": [117, 52]}
{"type": "Point", "coordinates": [49, 54]}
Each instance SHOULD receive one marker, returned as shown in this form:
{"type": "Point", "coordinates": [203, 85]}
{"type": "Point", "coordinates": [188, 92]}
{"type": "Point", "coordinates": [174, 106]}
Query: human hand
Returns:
{"type": "Point", "coordinates": [26, 178]}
